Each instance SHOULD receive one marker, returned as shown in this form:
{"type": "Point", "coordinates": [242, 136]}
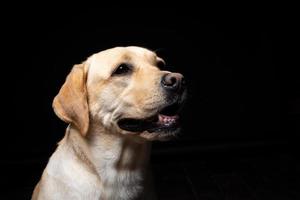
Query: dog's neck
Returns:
{"type": "Point", "coordinates": [115, 151]}
{"type": "Point", "coordinates": [119, 162]}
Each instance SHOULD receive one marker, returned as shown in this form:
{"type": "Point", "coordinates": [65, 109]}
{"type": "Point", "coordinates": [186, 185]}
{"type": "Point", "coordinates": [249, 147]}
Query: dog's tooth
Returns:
{"type": "Point", "coordinates": [167, 120]}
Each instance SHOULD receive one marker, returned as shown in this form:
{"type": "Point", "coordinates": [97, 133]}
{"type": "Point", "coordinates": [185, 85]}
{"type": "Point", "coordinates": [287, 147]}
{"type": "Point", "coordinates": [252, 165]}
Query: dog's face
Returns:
{"type": "Point", "coordinates": [128, 92]}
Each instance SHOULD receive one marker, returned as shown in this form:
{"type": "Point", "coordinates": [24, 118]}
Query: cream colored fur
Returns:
{"type": "Point", "coordinates": [96, 160]}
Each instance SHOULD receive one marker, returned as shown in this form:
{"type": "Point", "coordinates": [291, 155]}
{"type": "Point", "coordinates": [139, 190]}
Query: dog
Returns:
{"type": "Point", "coordinates": [115, 103]}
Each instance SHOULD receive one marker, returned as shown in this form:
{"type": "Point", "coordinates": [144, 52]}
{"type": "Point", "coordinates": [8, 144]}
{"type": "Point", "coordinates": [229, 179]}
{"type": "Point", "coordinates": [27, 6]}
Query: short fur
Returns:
{"type": "Point", "coordinates": [96, 159]}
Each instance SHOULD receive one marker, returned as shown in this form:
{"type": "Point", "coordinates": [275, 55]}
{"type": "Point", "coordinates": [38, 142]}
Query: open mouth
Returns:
{"type": "Point", "coordinates": [167, 120]}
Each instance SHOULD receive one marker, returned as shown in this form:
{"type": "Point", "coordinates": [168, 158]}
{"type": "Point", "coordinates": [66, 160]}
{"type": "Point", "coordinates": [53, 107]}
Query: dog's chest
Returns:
{"type": "Point", "coordinates": [121, 184]}
{"type": "Point", "coordinates": [121, 169]}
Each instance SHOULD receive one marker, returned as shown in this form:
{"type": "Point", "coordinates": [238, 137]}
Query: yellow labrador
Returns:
{"type": "Point", "coordinates": [115, 102]}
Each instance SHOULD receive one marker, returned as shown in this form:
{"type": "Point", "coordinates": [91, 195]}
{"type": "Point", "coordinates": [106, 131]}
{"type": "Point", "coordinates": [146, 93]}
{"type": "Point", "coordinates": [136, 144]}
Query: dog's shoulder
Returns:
{"type": "Point", "coordinates": [68, 171]}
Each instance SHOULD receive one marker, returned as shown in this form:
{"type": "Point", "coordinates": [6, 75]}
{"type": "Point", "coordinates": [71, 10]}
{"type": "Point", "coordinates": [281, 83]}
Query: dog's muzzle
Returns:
{"type": "Point", "coordinates": [167, 119]}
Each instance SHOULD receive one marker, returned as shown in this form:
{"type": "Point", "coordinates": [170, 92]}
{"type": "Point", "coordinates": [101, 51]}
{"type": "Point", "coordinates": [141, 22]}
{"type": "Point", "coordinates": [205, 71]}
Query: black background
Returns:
{"type": "Point", "coordinates": [241, 99]}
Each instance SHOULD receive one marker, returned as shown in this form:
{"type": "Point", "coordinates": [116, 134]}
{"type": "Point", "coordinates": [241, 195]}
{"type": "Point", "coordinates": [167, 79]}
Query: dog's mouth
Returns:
{"type": "Point", "coordinates": [166, 120]}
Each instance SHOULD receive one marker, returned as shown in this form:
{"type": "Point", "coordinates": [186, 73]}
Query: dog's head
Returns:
{"type": "Point", "coordinates": [126, 91]}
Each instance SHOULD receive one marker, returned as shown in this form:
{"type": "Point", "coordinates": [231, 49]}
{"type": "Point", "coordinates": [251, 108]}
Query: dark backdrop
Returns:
{"type": "Point", "coordinates": [239, 96]}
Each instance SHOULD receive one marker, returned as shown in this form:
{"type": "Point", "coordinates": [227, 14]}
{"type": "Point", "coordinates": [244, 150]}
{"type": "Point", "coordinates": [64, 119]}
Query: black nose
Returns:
{"type": "Point", "coordinates": [173, 81]}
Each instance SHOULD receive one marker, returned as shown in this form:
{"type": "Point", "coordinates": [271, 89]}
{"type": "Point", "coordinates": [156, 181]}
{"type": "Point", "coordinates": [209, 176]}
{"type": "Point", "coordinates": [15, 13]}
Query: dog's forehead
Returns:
{"type": "Point", "coordinates": [131, 52]}
{"type": "Point", "coordinates": [101, 63]}
{"type": "Point", "coordinates": [141, 52]}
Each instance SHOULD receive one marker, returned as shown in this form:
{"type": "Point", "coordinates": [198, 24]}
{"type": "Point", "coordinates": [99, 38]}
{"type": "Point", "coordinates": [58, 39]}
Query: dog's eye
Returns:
{"type": "Point", "coordinates": [123, 68]}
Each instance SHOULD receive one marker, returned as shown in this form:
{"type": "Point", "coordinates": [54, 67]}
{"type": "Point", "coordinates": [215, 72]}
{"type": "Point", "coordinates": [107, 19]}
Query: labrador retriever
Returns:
{"type": "Point", "coordinates": [116, 102]}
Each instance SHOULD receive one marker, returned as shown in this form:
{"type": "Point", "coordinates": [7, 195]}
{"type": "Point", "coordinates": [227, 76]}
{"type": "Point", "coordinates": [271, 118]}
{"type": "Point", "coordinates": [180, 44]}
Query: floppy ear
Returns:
{"type": "Point", "coordinates": [70, 104]}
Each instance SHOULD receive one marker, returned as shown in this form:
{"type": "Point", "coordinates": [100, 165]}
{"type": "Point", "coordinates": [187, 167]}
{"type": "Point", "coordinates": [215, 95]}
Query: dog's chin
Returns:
{"type": "Point", "coordinates": [163, 125]}
{"type": "Point", "coordinates": [164, 135]}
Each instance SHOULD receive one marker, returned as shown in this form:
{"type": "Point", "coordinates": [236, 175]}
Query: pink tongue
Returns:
{"type": "Point", "coordinates": [164, 119]}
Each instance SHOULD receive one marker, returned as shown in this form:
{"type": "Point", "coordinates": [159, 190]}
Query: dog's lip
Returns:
{"type": "Point", "coordinates": [165, 120]}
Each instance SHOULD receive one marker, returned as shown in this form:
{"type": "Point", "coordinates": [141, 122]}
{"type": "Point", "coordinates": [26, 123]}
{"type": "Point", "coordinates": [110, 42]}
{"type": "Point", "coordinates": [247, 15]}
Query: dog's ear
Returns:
{"type": "Point", "coordinates": [70, 104]}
